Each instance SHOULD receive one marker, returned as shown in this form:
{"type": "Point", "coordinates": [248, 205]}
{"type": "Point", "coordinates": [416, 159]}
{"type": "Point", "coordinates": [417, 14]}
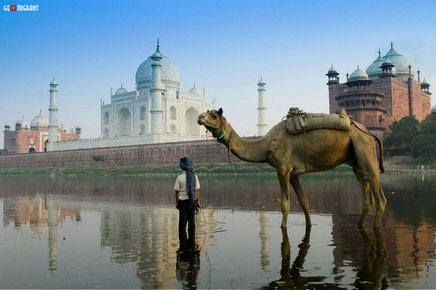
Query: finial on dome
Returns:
{"type": "Point", "coordinates": [392, 45]}
{"type": "Point", "coordinates": [121, 85]}
{"type": "Point", "coordinates": [358, 67]}
{"type": "Point", "coordinates": [157, 46]}
{"type": "Point", "coordinates": [379, 52]}
{"type": "Point", "coordinates": [194, 86]}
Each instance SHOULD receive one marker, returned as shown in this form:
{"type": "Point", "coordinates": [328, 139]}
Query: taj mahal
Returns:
{"type": "Point", "coordinates": [157, 110]}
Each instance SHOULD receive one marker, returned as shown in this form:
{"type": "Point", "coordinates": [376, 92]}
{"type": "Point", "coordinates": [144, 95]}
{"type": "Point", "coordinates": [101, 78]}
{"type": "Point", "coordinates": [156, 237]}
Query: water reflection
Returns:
{"type": "Point", "coordinates": [137, 231]}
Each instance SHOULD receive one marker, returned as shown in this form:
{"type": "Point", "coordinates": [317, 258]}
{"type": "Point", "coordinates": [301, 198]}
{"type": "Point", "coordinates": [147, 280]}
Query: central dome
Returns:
{"type": "Point", "coordinates": [170, 73]}
{"type": "Point", "coordinates": [400, 62]}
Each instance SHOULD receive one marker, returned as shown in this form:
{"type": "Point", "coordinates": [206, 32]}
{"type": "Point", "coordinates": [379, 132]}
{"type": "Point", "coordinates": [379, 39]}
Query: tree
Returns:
{"type": "Point", "coordinates": [402, 133]}
{"type": "Point", "coordinates": [424, 145]}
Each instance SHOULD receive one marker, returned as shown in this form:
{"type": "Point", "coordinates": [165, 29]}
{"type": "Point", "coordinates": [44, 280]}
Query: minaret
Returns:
{"type": "Point", "coordinates": [53, 117]}
{"type": "Point", "coordinates": [261, 109]}
{"type": "Point", "coordinates": [156, 93]}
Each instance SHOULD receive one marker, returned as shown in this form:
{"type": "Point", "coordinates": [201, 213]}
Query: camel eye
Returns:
{"type": "Point", "coordinates": [213, 116]}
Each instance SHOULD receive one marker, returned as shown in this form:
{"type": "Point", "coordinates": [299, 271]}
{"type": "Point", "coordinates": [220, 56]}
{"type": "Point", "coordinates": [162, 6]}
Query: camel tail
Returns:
{"type": "Point", "coordinates": [366, 131]}
{"type": "Point", "coordinates": [381, 163]}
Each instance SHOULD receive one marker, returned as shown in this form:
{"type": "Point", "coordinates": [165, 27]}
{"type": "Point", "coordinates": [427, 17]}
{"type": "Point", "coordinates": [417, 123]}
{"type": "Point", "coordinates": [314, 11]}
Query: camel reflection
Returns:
{"type": "Point", "coordinates": [188, 263]}
{"type": "Point", "coordinates": [291, 276]}
{"type": "Point", "coordinates": [370, 274]}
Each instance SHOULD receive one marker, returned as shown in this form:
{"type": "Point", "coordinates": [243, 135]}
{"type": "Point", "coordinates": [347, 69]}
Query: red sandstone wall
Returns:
{"type": "Point", "coordinates": [200, 151]}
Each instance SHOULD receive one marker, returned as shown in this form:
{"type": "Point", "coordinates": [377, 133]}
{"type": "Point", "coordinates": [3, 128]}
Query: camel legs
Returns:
{"type": "Point", "coordinates": [302, 199]}
{"type": "Point", "coordinates": [368, 199]}
{"type": "Point", "coordinates": [380, 199]}
{"type": "Point", "coordinates": [284, 201]}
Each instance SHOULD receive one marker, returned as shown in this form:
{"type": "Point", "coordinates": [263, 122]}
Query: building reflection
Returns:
{"type": "Point", "coordinates": [148, 236]}
{"type": "Point", "coordinates": [39, 214]}
{"type": "Point", "coordinates": [139, 224]}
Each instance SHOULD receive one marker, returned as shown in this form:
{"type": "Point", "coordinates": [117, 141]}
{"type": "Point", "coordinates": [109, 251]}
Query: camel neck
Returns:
{"type": "Point", "coordinates": [247, 150]}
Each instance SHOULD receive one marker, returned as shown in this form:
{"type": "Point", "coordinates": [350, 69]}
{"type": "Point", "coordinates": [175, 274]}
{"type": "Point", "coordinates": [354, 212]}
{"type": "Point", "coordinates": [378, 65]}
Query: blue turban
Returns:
{"type": "Point", "coordinates": [186, 164]}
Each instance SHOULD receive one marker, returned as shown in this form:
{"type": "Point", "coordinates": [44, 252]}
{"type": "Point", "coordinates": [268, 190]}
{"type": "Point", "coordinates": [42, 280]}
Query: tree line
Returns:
{"type": "Point", "coordinates": [411, 137]}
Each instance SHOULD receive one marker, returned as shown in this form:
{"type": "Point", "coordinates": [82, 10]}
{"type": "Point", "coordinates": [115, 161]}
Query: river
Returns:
{"type": "Point", "coordinates": [121, 232]}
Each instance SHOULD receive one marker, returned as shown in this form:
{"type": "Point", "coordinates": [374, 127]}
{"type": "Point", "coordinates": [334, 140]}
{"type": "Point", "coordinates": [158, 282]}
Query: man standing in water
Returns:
{"type": "Point", "coordinates": [187, 189]}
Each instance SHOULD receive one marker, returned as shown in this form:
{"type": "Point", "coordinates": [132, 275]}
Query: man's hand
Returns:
{"type": "Point", "coordinates": [198, 203]}
{"type": "Point", "coordinates": [177, 205]}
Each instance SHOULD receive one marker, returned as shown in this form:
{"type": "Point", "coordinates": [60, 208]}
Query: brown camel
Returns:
{"type": "Point", "coordinates": [312, 151]}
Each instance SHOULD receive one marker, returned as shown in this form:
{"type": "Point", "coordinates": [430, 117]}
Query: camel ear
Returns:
{"type": "Point", "coordinates": [220, 111]}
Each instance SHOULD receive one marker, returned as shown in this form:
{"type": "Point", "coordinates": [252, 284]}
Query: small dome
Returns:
{"type": "Point", "coordinates": [433, 109]}
{"type": "Point", "coordinates": [387, 62]}
{"type": "Point", "coordinates": [332, 70]}
{"type": "Point", "coordinates": [358, 75]}
{"type": "Point", "coordinates": [23, 123]}
{"type": "Point", "coordinates": [39, 121]}
{"type": "Point", "coordinates": [7, 126]}
{"type": "Point", "coordinates": [195, 90]}
{"type": "Point", "coordinates": [121, 91]}
{"type": "Point", "coordinates": [424, 82]}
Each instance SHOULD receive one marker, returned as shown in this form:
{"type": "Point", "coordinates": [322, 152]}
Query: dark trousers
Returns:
{"type": "Point", "coordinates": [187, 215]}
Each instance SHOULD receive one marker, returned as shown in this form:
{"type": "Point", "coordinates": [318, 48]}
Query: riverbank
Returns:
{"type": "Point", "coordinates": [395, 165]}
{"type": "Point", "coordinates": [154, 169]}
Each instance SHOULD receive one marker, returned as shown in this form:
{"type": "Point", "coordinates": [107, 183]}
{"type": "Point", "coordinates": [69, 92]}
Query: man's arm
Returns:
{"type": "Point", "coordinates": [198, 196]}
{"type": "Point", "coordinates": [177, 199]}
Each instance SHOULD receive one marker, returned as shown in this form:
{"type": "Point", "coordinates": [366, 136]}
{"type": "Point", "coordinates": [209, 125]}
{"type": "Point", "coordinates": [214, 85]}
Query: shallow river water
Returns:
{"type": "Point", "coordinates": [105, 232]}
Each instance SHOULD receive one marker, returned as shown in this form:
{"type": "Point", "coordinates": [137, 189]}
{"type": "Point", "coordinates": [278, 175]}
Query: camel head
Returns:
{"type": "Point", "coordinates": [214, 121]}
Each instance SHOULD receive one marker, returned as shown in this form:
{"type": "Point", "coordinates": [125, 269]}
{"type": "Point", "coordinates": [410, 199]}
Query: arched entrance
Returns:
{"type": "Point", "coordinates": [32, 150]}
{"type": "Point", "coordinates": [45, 145]}
{"type": "Point", "coordinates": [191, 126]}
{"type": "Point", "coordinates": [124, 122]}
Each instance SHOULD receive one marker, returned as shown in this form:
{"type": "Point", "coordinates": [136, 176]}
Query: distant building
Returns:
{"type": "Point", "coordinates": [34, 137]}
{"type": "Point", "coordinates": [385, 93]}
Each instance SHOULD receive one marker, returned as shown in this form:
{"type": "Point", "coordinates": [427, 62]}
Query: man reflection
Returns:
{"type": "Point", "coordinates": [188, 263]}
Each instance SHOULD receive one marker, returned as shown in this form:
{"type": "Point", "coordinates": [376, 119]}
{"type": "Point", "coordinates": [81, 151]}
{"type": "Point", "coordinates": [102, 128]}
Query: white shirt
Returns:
{"type": "Point", "coordinates": [181, 186]}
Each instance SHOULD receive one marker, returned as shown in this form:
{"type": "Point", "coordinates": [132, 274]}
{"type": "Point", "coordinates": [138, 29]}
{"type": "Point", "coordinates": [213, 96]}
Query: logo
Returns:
{"type": "Point", "coordinates": [20, 8]}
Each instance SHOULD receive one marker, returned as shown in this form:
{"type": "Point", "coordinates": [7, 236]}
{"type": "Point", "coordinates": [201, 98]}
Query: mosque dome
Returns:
{"type": "Point", "coordinates": [195, 90]}
{"type": "Point", "coordinates": [400, 62]}
{"type": "Point", "coordinates": [358, 75]}
{"type": "Point", "coordinates": [169, 71]}
{"type": "Point", "coordinates": [39, 121]}
{"type": "Point", "coordinates": [433, 109]}
{"type": "Point", "coordinates": [23, 123]}
{"type": "Point", "coordinates": [121, 91]}
{"type": "Point", "coordinates": [374, 69]}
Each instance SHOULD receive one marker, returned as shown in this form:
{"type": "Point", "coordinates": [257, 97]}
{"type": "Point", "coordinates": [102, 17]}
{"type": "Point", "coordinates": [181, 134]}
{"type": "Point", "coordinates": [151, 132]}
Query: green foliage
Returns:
{"type": "Point", "coordinates": [403, 132]}
{"type": "Point", "coordinates": [424, 145]}
{"type": "Point", "coordinates": [98, 157]}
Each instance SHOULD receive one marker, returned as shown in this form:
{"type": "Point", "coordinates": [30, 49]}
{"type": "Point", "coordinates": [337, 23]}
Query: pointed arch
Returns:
{"type": "Point", "coordinates": [191, 126]}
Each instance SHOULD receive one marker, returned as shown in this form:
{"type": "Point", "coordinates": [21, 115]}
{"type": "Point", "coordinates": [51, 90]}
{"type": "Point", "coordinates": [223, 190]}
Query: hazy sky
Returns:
{"type": "Point", "coordinates": [222, 46]}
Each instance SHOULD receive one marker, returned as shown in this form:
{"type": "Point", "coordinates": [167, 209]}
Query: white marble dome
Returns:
{"type": "Point", "coordinates": [39, 121]}
{"type": "Point", "coordinates": [121, 91]}
{"type": "Point", "coordinates": [433, 109]}
{"type": "Point", "coordinates": [358, 75]}
{"type": "Point", "coordinates": [195, 90]}
{"type": "Point", "coordinates": [169, 71]}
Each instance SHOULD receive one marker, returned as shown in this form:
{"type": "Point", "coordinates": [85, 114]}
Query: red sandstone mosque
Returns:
{"type": "Point", "coordinates": [385, 93]}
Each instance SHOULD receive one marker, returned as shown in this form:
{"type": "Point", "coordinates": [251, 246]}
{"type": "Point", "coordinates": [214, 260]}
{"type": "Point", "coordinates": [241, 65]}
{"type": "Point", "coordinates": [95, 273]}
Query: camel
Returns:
{"type": "Point", "coordinates": [313, 151]}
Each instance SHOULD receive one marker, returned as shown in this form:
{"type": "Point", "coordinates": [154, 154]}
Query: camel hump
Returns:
{"type": "Point", "coordinates": [303, 122]}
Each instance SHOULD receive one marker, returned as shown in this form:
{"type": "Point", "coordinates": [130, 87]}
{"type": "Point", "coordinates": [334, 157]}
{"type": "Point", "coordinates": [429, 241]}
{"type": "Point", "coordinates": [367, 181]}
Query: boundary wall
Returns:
{"type": "Point", "coordinates": [209, 151]}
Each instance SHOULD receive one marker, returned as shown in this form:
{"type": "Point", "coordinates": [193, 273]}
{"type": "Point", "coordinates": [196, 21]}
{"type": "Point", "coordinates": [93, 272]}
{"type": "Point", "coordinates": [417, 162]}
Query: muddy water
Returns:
{"type": "Point", "coordinates": [122, 233]}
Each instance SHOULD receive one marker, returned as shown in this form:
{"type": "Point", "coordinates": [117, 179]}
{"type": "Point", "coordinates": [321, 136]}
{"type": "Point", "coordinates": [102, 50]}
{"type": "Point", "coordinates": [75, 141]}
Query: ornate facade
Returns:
{"type": "Point", "coordinates": [385, 93]}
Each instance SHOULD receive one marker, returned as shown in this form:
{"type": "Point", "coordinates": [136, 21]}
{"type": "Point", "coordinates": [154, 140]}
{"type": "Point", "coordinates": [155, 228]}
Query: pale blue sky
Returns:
{"type": "Point", "coordinates": [223, 46]}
